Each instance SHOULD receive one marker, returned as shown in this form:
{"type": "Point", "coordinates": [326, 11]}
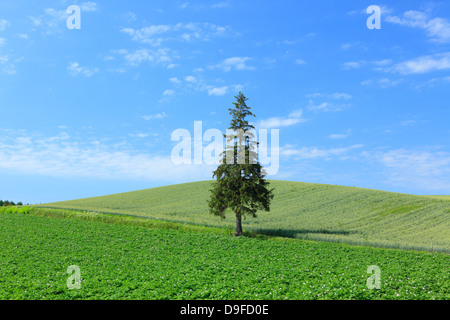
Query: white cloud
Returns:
{"type": "Point", "coordinates": [332, 102]}
{"type": "Point", "coordinates": [218, 91]}
{"type": "Point", "coordinates": [155, 116]}
{"type": "Point", "coordinates": [155, 35]}
{"type": "Point", "coordinates": [220, 5]}
{"type": "Point", "coordinates": [53, 21]}
{"type": "Point", "coordinates": [423, 64]}
{"type": "Point", "coordinates": [341, 135]}
{"type": "Point", "coordinates": [168, 92]}
{"type": "Point", "coordinates": [346, 46]}
{"type": "Point", "coordinates": [314, 152]}
{"type": "Point", "coordinates": [279, 122]}
{"type": "Point", "coordinates": [352, 65]}
{"type": "Point", "coordinates": [427, 168]}
{"type": "Point", "coordinates": [382, 83]}
{"type": "Point", "coordinates": [199, 84]}
{"type": "Point", "coordinates": [139, 135]}
{"type": "Point", "coordinates": [341, 95]}
{"type": "Point", "coordinates": [377, 64]}
{"type": "Point", "coordinates": [236, 63]}
{"type": "Point", "coordinates": [300, 62]}
{"type": "Point", "coordinates": [88, 6]}
{"type": "Point", "coordinates": [190, 79]}
{"type": "Point", "coordinates": [435, 81]}
{"type": "Point", "coordinates": [75, 69]}
{"type": "Point", "coordinates": [408, 123]}
{"type": "Point", "coordinates": [62, 156]}
{"type": "Point", "coordinates": [4, 24]}
{"type": "Point", "coordinates": [160, 56]}
{"type": "Point", "coordinates": [437, 29]}
{"type": "Point", "coordinates": [8, 65]}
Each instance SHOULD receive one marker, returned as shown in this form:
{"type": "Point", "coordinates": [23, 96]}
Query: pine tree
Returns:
{"type": "Point", "coordinates": [240, 185]}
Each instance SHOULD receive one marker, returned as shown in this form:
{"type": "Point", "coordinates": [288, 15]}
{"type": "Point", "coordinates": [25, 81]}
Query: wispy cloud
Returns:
{"type": "Point", "coordinates": [75, 69]}
{"type": "Point", "coordinates": [191, 82]}
{"type": "Point", "coordinates": [314, 152]}
{"type": "Point", "coordinates": [155, 35]}
{"type": "Point", "coordinates": [423, 64]}
{"type": "Point", "coordinates": [376, 64]}
{"type": "Point", "coordinates": [328, 102]}
{"type": "Point", "coordinates": [220, 5]}
{"type": "Point", "coordinates": [4, 24]}
{"type": "Point", "coordinates": [89, 7]}
{"type": "Point", "coordinates": [234, 63]}
{"type": "Point", "coordinates": [155, 116]}
{"type": "Point", "coordinates": [279, 122]}
{"type": "Point", "coordinates": [62, 156]}
{"type": "Point", "coordinates": [340, 135]}
{"type": "Point", "coordinates": [168, 92]}
{"type": "Point", "coordinates": [437, 29]}
{"type": "Point", "coordinates": [160, 56]}
{"type": "Point", "coordinates": [8, 64]}
{"type": "Point", "coordinates": [220, 91]}
{"type": "Point", "coordinates": [53, 21]}
{"type": "Point", "coordinates": [426, 168]}
{"type": "Point", "coordinates": [381, 83]}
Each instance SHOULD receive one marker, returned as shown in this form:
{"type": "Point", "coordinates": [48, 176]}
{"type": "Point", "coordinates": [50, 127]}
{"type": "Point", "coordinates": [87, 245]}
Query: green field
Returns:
{"type": "Point", "coordinates": [300, 210]}
{"type": "Point", "coordinates": [119, 261]}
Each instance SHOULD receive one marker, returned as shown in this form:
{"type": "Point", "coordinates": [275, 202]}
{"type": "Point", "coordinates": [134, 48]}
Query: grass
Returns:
{"type": "Point", "coordinates": [299, 210]}
{"type": "Point", "coordinates": [119, 260]}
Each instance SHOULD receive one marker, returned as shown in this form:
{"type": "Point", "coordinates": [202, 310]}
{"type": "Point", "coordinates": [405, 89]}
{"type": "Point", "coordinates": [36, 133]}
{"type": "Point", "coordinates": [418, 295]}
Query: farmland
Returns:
{"type": "Point", "coordinates": [300, 210]}
{"type": "Point", "coordinates": [133, 262]}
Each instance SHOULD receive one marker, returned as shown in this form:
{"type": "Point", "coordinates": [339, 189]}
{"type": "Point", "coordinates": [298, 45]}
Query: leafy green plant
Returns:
{"type": "Point", "coordinates": [119, 261]}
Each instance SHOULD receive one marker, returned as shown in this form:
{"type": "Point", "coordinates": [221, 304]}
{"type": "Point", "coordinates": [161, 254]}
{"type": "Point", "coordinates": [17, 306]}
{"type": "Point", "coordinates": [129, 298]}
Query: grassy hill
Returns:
{"type": "Point", "coordinates": [300, 210]}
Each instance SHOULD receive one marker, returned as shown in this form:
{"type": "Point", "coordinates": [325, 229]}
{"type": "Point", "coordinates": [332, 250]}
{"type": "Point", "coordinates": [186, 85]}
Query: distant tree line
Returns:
{"type": "Point", "coordinates": [10, 203]}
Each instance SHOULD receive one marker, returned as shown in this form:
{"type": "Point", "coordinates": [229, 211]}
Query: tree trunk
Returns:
{"type": "Point", "coordinates": [238, 224]}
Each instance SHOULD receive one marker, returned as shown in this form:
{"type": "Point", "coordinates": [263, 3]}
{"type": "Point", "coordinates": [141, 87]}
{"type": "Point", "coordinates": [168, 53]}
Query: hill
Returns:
{"type": "Point", "coordinates": [299, 210]}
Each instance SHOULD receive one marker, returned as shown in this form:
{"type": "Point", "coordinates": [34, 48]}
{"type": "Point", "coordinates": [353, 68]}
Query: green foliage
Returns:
{"type": "Point", "coordinates": [299, 210]}
{"type": "Point", "coordinates": [11, 209]}
{"type": "Point", "coordinates": [129, 262]}
{"type": "Point", "coordinates": [240, 185]}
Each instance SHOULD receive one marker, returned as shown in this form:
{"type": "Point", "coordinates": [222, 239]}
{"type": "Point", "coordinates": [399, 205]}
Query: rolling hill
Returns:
{"type": "Point", "coordinates": [299, 210]}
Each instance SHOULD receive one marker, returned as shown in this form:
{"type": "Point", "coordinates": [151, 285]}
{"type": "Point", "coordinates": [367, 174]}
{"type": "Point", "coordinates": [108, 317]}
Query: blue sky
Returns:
{"type": "Point", "coordinates": [90, 111]}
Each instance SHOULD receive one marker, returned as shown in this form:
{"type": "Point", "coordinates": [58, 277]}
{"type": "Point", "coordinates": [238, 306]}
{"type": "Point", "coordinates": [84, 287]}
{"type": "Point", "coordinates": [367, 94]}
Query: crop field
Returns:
{"type": "Point", "coordinates": [440, 197]}
{"type": "Point", "coordinates": [130, 262]}
{"type": "Point", "coordinates": [300, 210]}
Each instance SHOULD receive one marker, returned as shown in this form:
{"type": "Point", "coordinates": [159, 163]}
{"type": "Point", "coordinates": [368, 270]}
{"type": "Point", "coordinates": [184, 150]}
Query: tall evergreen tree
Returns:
{"type": "Point", "coordinates": [240, 185]}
